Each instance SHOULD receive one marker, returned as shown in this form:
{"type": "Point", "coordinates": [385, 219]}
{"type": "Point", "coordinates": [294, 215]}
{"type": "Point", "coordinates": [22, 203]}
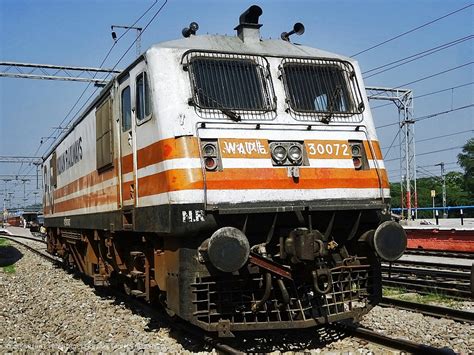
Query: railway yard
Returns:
{"type": "Point", "coordinates": [46, 308]}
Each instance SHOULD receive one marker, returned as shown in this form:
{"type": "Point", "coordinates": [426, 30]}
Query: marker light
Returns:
{"type": "Point", "coordinates": [357, 162]}
{"type": "Point", "coordinates": [356, 150]}
{"type": "Point", "coordinates": [295, 154]}
{"type": "Point", "coordinates": [279, 154]}
{"type": "Point", "coordinates": [210, 163]}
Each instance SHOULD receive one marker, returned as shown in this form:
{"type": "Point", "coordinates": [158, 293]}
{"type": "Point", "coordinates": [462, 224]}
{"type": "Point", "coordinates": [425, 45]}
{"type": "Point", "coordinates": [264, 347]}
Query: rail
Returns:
{"type": "Point", "coordinates": [429, 310]}
{"type": "Point", "coordinates": [396, 343]}
{"type": "Point", "coordinates": [430, 277]}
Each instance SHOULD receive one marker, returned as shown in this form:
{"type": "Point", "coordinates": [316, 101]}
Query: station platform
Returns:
{"type": "Point", "coordinates": [448, 235]}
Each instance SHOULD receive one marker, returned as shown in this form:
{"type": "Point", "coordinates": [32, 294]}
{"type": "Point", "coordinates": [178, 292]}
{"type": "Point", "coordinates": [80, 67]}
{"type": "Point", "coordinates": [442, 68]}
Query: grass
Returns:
{"type": "Point", "coordinates": [393, 291]}
{"type": "Point", "coordinates": [419, 298]}
{"type": "Point", "coordinates": [9, 269]}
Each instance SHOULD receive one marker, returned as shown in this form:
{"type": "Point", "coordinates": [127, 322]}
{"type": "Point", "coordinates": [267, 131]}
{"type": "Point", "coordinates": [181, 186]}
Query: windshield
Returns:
{"type": "Point", "coordinates": [236, 85]}
{"type": "Point", "coordinates": [318, 86]}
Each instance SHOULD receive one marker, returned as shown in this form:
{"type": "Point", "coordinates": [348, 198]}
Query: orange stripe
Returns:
{"type": "Point", "coordinates": [127, 190]}
{"type": "Point", "coordinates": [277, 178]}
{"type": "Point", "coordinates": [368, 151]}
{"type": "Point", "coordinates": [95, 199]}
{"type": "Point", "coordinates": [188, 146]}
{"type": "Point", "coordinates": [271, 178]}
{"type": "Point", "coordinates": [172, 148]}
{"type": "Point", "coordinates": [88, 180]}
{"type": "Point", "coordinates": [127, 164]}
{"type": "Point", "coordinates": [171, 180]}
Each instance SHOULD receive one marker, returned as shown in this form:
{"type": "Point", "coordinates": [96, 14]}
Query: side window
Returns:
{"type": "Point", "coordinates": [142, 97]}
{"type": "Point", "coordinates": [104, 136]}
{"type": "Point", "coordinates": [53, 171]}
{"type": "Point", "coordinates": [126, 109]}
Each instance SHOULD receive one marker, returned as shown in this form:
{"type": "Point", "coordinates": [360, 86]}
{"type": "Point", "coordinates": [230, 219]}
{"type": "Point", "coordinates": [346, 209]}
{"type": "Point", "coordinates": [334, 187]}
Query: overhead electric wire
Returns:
{"type": "Point", "coordinates": [391, 144]}
{"type": "Point", "coordinates": [427, 153]}
{"type": "Point", "coordinates": [422, 118]}
{"type": "Point", "coordinates": [433, 75]}
{"type": "Point", "coordinates": [429, 93]}
{"type": "Point", "coordinates": [103, 61]}
{"type": "Point", "coordinates": [397, 176]}
{"type": "Point", "coordinates": [412, 30]}
{"type": "Point", "coordinates": [452, 162]}
{"type": "Point", "coordinates": [124, 54]}
{"type": "Point", "coordinates": [432, 138]}
{"type": "Point", "coordinates": [416, 56]}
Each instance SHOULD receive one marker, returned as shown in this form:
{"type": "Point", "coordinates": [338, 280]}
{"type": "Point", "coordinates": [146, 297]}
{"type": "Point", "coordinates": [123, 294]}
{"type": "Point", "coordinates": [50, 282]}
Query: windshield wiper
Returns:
{"type": "Point", "coordinates": [231, 114]}
{"type": "Point", "coordinates": [234, 116]}
{"type": "Point", "coordinates": [333, 99]}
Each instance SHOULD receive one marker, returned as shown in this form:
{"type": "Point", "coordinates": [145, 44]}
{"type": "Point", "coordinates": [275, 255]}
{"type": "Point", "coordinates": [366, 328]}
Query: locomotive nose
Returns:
{"type": "Point", "coordinates": [228, 249]}
{"type": "Point", "coordinates": [390, 241]}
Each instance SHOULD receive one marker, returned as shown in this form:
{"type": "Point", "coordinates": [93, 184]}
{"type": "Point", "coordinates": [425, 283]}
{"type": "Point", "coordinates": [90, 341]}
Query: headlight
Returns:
{"type": "Point", "coordinates": [209, 150]}
{"type": "Point", "coordinates": [279, 153]}
{"type": "Point", "coordinates": [295, 154]}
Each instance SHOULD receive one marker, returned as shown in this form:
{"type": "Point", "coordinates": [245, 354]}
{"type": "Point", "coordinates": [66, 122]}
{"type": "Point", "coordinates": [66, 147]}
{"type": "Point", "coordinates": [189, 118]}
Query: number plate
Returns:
{"type": "Point", "coordinates": [328, 149]}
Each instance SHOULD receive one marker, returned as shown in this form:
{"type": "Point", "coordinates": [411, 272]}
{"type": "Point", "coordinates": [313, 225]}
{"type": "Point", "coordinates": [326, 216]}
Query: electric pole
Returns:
{"type": "Point", "coordinates": [443, 179]}
{"type": "Point", "coordinates": [138, 40]}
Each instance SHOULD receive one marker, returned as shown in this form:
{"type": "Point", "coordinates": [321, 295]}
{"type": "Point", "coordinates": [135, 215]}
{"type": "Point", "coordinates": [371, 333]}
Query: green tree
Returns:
{"type": "Point", "coordinates": [466, 160]}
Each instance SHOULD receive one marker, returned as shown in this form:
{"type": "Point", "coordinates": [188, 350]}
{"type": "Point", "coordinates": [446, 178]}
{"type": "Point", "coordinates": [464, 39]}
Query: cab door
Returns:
{"type": "Point", "coordinates": [127, 146]}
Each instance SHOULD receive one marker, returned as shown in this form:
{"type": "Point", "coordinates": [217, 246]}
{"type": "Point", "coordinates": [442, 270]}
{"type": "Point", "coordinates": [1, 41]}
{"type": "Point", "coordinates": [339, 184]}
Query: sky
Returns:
{"type": "Point", "coordinates": [77, 33]}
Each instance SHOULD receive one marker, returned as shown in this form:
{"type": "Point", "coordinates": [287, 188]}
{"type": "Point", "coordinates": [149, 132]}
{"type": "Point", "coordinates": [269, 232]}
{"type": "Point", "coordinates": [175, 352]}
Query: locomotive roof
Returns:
{"type": "Point", "coordinates": [233, 44]}
{"type": "Point", "coordinates": [217, 43]}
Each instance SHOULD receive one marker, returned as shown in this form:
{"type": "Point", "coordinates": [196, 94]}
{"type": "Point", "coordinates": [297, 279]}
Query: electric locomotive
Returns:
{"type": "Point", "coordinates": [235, 180]}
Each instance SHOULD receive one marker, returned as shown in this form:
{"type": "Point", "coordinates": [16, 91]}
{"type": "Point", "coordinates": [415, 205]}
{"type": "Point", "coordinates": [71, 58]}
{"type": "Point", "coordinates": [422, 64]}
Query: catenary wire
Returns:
{"type": "Point", "coordinates": [103, 61]}
{"type": "Point", "coordinates": [123, 56]}
{"type": "Point", "coordinates": [433, 75]}
{"type": "Point", "coordinates": [429, 93]}
{"type": "Point", "coordinates": [432, 138]}
{"type": "Point", "coordinates": [412, 30]}
{"type": "Point", "coordinates": [415, 57]}
{"type": "Point", "coordinates": [422, 118]}
{"type": "Point", "coordinates": [427, 153]}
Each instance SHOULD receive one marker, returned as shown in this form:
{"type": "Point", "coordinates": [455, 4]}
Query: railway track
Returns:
{"type": "Point", "coordinates": [444, 254]}
{"type": "Point", "coordinates": [40, 252]}
{"type": "Point", "coordinates": [220, 345]}
{"type": "Point", "coordinates": [428, 277]}
{"type": "Point", "coordinates": [429, 310]}
{"type": "Point", "coordinates": [395, 343]}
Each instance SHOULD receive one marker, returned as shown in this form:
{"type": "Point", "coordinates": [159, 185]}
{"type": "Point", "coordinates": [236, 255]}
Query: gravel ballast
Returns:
{"type": "Point", "coordinates": [44, 308]}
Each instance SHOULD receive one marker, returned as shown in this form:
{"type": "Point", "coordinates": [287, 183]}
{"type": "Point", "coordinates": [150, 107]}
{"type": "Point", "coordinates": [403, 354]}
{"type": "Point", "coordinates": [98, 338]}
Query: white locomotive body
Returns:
{"type": "Point", "coordinates": [214, 165]}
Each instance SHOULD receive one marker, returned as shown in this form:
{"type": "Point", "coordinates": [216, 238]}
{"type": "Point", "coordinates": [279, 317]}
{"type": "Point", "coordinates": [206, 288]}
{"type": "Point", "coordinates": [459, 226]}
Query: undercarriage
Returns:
{"type": "Point", "coordinates": [255, 272]}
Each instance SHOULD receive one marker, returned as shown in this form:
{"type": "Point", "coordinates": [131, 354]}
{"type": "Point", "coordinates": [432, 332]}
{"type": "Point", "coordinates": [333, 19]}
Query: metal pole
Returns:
{"type": "Point", "coordinates": [139, 33]}
{"type": "Point", "coordinates": [407, 164]}
{"type": "Point", "coordinates": [433, 208]}
{"type": "Point", "coordinates": [443, 178]}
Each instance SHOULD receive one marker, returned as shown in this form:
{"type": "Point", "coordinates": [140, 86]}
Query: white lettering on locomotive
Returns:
{"type": "Point", "coordinates": [193, 216]}
{"type": "Point", "coordinates": [244, 148]}
{"type": "Point", "coordinates": [71, 156]}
